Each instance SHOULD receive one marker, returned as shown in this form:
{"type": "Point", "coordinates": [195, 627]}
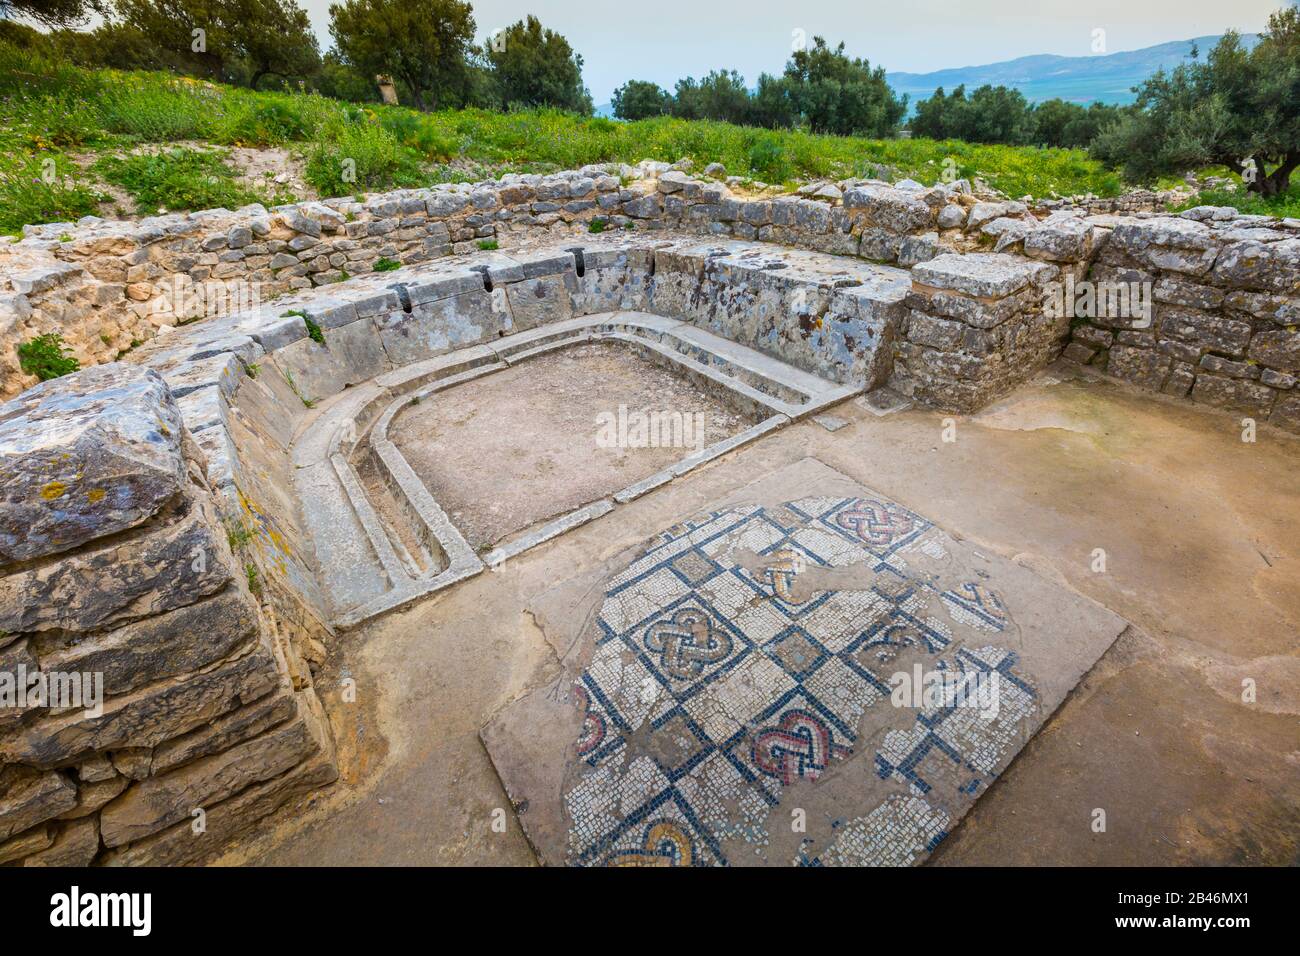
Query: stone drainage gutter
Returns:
{"type": "Point", "coordinates": [765, 387]}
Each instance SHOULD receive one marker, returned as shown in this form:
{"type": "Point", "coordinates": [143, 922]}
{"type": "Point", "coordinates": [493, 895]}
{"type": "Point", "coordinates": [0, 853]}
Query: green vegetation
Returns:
{"type": "Point", "coordinates": [1237, 108]}
{"type": "Point", "coordinates": [488, 244]}
{"type": "Point", "coordinates": [71, 124]}
{"type": "Point", "coordinates": [45, 357]}
{"type": "Point", "coordinates": [30, 194]}
{"type": "Point", "coordinates": [238, 534]}
{"type": "Point", "coordinates": [314, 331]}
{"type": "Point", "coordinates": [177, 179]}
{"type": "Point", "coordinates": [996, 114]}
{"type": "Point", "coordinates": [822, 89]}
{"type": "Point", "coordinates": [385, 264]}
{"type": "Point", "coordinates": [254, 580]}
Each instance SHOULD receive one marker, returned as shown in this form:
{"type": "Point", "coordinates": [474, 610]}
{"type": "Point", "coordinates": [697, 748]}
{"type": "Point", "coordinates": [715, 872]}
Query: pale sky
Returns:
{"type": "Point", "coordinates": [663, 40]}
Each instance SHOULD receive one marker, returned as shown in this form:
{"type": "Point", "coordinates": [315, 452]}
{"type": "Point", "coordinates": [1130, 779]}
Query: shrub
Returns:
{"type": "Point", "coordinates": [767, 160]}
{"type": "Point", "coordinates": [260, 121]}
{"type": "Point", "coordinates": [385, 264]}
{"type": "Point", "coordinates": [358, 153]}
{"type": "Point", "coordinates": [45, 357]}
{"type": "Point", "coordinates": [177, 179]}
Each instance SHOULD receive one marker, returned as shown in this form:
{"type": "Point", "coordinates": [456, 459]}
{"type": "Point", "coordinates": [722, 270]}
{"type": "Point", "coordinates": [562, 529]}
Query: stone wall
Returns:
{"type": "Point", "coordinates": [118, 579]}
{"type": "Point", "coordinates": [1225, 326]}
{"type": "Point", "coordinates": [111, 287]}
{"type": "Point", "coordinates": [108, 287]}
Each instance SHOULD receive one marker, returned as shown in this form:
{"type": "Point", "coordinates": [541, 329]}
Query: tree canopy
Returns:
{"type": "Point", "coordinates": [269, 36]}
{"type": "Point", "coordinates": [533, 66]}
{"type": "Point", "coordinates": [1237, 108]}
{"type": "Point", "coordinates": [426, 45]}
{"type": "Point", "coordinates": [640, 99]}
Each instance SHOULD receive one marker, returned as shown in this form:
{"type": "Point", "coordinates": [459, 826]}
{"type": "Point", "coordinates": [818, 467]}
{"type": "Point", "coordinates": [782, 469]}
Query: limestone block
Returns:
{"type": "Point", "coordinates": [1143, 367]}
{"type": "Point", "coordinates": [28, 798]}
{"type": "Point", "coordinates": [27, 843]}
{"type": "Point", "coordinates": [1234, 394]}
{"type": "Point", "coordinates": [1204, 329]}
{"type": "Point", "coordinates": [92, 797]}
{"type": "Point", "coordinates": [226, 731]}
{"type": "Point", "coordinates": [439, 326]}
{"type": "Point", "coordinates": [145, 717]}
{"type": "Point", "coordinates": [897, 210]}
{"type": "Point", "coordinates": [76, 845]}
{"type": "Point", "coordinates": [85, 456]}
{"type": "Point", "coordinates": [1278, 349]}
{"type": "Point", "coordinates": [535, 302]}
{"type": "Point", "coordinates": [167, 645]}
{"type": "Point", "coordinates": [1286, 412]}
{"type": "Point", "coordinates": [143, 575]}
{"type": "Point", "coordinates": [984, 274]}
{"type": "Point", "coordinates": [179, 845]}
{"type": "Point", "coordinates": [1173, 244]}
{"type": "Point", "coordinates": [1060, 239]}
{"type": "Point", "coordinates": [164, 799]}
{"type": "Point", "coordinates": [1267, 266]}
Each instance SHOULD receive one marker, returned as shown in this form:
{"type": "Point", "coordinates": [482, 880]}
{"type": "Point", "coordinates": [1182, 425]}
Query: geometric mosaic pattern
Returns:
{"type": "Point", "coordinates": [721, 676]}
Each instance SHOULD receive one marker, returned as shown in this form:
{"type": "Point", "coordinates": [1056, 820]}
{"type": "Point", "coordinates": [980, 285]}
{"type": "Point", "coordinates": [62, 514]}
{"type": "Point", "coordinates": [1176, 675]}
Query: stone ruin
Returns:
{"type": "Point", "coordinates": [187, 517]}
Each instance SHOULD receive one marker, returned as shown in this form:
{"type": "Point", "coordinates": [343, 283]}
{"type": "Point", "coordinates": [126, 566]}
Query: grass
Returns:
{"type": "Point", "coordinates": [52, 111]}
{"type": "Point", "coordinates": [176, 179]}
{"type": "Point", "coordinates": [33, 190]}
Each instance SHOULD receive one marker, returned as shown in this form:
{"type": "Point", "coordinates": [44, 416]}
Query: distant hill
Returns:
{"type": "Point", "coordinates": [1108, 78]}
{"type": "Point", "coordinates": [1105, 77]}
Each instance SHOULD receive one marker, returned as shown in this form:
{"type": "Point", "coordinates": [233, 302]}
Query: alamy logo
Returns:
{"type": "Point", "coordinates": [57, 690]}
{"type": "Point", "coordinates": [1099, 300]}
{"type": "Point", "coordinates": [652, 429]}
{"type": "Point", "coordinates": [944, 689]}
{"type": "Point", "coordinates": [73, 909]}
{"type": "Point", "coordinates": [186, 300]}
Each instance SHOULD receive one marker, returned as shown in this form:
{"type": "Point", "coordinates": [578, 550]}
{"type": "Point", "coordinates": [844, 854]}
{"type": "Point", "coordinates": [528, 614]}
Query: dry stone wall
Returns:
{"type": "Point", "coordinates": [1224, 327]}
{"type": "Point", "coordinates": [152, 706]}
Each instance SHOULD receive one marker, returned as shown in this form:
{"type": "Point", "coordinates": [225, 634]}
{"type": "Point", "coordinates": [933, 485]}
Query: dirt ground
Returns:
{"type": "Point", "coordinates": [518, 447]}
{"type": "Point", "coordinates": [1201, 540]}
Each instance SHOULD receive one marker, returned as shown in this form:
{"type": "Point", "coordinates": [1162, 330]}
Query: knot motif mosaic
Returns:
{"type": "Point", "coordinates": [737, 657]}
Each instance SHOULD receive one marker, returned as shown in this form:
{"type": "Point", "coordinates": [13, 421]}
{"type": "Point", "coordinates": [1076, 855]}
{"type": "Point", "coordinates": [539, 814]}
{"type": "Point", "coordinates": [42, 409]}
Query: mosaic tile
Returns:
{"type": "Point", "coordinates": [763, 647]}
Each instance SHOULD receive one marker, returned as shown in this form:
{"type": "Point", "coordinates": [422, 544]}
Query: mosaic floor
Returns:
{"type": "Point", "coordinates": [820, 679]}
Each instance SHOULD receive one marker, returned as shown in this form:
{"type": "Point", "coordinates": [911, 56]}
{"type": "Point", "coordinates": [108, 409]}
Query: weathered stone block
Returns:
{"type": "Point", "coordinates": [28, 797]}
{"type": "Point", "coordinates": [165, 799]}
{"type": "Point", "coordinates": [179, 642]}
{"type": "Point", "coordinates": [147, 716]}
{"type": "Point", "coordinates": [1278, 349]}
{"type": "Point", "coordinates": [168, 568]}
{"type": "Point", "coordinates": [86, 456]}
{"type": "Point", "coordinates": [535, 302]}
{"type": "Point", "coordinates": [1204, 330]}
{"type": "Point", "coordinates": [76, 845]}
{"type": "Point", "coordinates": [1143, 367]}
{"type": "Point", "coordinates": [1234, 394]}
{"type": "Point", "coordinates": [984, 274]}
{"type": "Point", "coordinates": [1286, 413]}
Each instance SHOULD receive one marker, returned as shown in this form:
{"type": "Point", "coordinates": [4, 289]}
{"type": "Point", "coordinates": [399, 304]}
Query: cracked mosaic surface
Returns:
{"type": "Point", "coordinates": [742, 654]}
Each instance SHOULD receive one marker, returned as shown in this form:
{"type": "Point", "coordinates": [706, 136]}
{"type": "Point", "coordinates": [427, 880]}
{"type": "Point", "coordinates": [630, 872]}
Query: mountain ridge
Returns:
{"type": "Point", "coordinates": [1102, 77]}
